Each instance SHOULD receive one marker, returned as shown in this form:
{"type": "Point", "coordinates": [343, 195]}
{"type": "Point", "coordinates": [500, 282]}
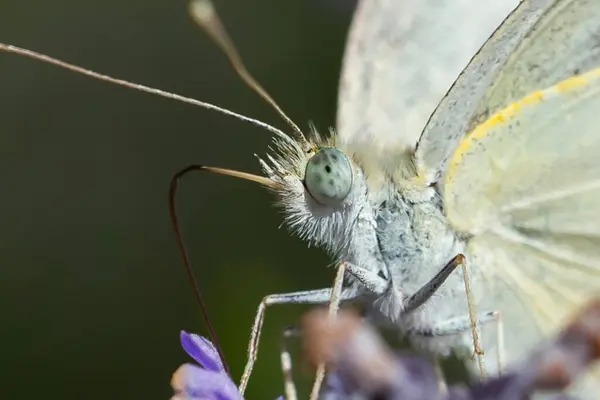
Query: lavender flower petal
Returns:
{"type": "Point", "coordinates": [511, 386]}
{"type": "Point", "coordinates": [201, 350]}
{"type": "Point", "coordinates": [191, 382]}
{"type": "Point", "coordinates": [365, 367]}
{"type": "Point", "coordinates": [334, 384]}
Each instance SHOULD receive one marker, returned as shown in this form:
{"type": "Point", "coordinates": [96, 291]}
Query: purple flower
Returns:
{"type": "Point", "coordinates": [209, 381]}
{"type": "Point", "coordinates": [362, 366]}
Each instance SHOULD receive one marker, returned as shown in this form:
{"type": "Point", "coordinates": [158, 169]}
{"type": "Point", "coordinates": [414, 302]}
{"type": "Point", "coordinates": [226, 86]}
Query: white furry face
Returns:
{"type": "Point", "coordinates": [320, 188]}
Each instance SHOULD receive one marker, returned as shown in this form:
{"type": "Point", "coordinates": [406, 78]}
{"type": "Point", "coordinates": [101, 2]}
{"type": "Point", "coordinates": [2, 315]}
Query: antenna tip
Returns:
{"type": "Point", "coordinates": [202, 11]}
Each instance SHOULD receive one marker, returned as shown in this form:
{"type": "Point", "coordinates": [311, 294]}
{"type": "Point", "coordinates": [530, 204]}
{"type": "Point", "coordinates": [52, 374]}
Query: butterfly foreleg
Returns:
{"type": "Point", "coordinates": [318, 296]}
{"type": "Point", "coordinates": [371, 281]}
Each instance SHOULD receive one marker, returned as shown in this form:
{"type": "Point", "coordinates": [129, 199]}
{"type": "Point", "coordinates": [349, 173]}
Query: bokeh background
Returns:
{"type": "Point", "coordinates": [92, 291]}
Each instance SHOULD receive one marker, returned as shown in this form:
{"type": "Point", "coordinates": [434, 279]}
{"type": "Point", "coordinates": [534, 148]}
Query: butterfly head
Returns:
{"type": "Point", "coordinates": [320, 188]}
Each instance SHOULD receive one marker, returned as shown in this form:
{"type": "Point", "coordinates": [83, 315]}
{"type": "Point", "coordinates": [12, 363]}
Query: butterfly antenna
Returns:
{"type": "Point", "coordinates": [142, 88]}
{"type": "Point", "coordinates": [204, 14]}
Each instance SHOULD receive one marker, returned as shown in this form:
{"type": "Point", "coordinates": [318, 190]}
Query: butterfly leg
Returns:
{"type": "Point", "coordinates": [318, 296]}
{"type": "Point", "coordinates": [454, 326]}
{"type": "Point", "coordinates": [500, 342]}
{"type": "Point", "coordinates": [423, 294]}
{"type": "Point", "coordinates": [460, 325]}
{"type": "Point", "coordinates": [286, 359]}
{"type": "Point", "coordinates": [334, 305]}
{"type": "Point", "coordinates": [371, 281]}
{"type": "Point", "coordinates": [475, 330]}
{"type": "Point", "coordinates": [286, 363]}
{"type": "Point", "coordinates": [442, 385]}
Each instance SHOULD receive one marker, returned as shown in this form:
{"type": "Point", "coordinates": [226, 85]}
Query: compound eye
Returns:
{"type": "Point", "coordinates": [328, 176]}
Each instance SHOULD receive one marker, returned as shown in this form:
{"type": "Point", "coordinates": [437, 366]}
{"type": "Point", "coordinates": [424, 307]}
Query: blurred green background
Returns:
{"type": "Point", "coordinates": [93, 293]}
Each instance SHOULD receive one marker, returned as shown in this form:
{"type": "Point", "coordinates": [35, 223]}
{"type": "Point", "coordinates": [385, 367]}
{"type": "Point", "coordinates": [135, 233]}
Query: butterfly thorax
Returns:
{"type": "Point", "coordinates": [385, 224]}
{"type": "Point", "coordinates": [414, 242]}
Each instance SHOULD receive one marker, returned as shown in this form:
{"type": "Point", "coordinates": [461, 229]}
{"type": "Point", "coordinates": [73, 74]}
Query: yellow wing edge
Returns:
{"type": "Point", "coordinates": [502, 117]}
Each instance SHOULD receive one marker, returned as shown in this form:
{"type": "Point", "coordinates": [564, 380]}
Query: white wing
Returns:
{"type": "Point", "coordinates": [541, 43]}
{"type": "Point", "coordinates": [401, 58]}
{"type": "Point", "coordinates": [526, 183]}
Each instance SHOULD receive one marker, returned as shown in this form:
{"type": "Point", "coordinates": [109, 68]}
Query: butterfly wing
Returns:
{"type": "Point", "coordinates": [539, 44]}
{"type": "Point", "coordinates": [401, 58]}
{"type": "Point", "coordinates": [526, 184]}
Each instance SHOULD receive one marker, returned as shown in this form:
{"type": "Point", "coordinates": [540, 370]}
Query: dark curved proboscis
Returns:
{"type": "Point", "coordinates": [185, 258]}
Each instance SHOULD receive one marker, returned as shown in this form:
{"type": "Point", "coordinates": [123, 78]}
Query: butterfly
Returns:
{"type": "Point", "coordinates": [502, 171]}
{"type": "Point", "coordinates": [418, 187]}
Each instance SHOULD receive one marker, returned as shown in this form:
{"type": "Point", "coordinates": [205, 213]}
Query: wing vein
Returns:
{"type": "Point", "coordinates": [547, 197]}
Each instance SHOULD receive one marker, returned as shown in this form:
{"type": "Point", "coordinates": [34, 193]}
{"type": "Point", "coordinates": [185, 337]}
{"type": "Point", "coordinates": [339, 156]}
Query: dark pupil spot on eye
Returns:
{"type": "Point", "coordinates": [328, 169]}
